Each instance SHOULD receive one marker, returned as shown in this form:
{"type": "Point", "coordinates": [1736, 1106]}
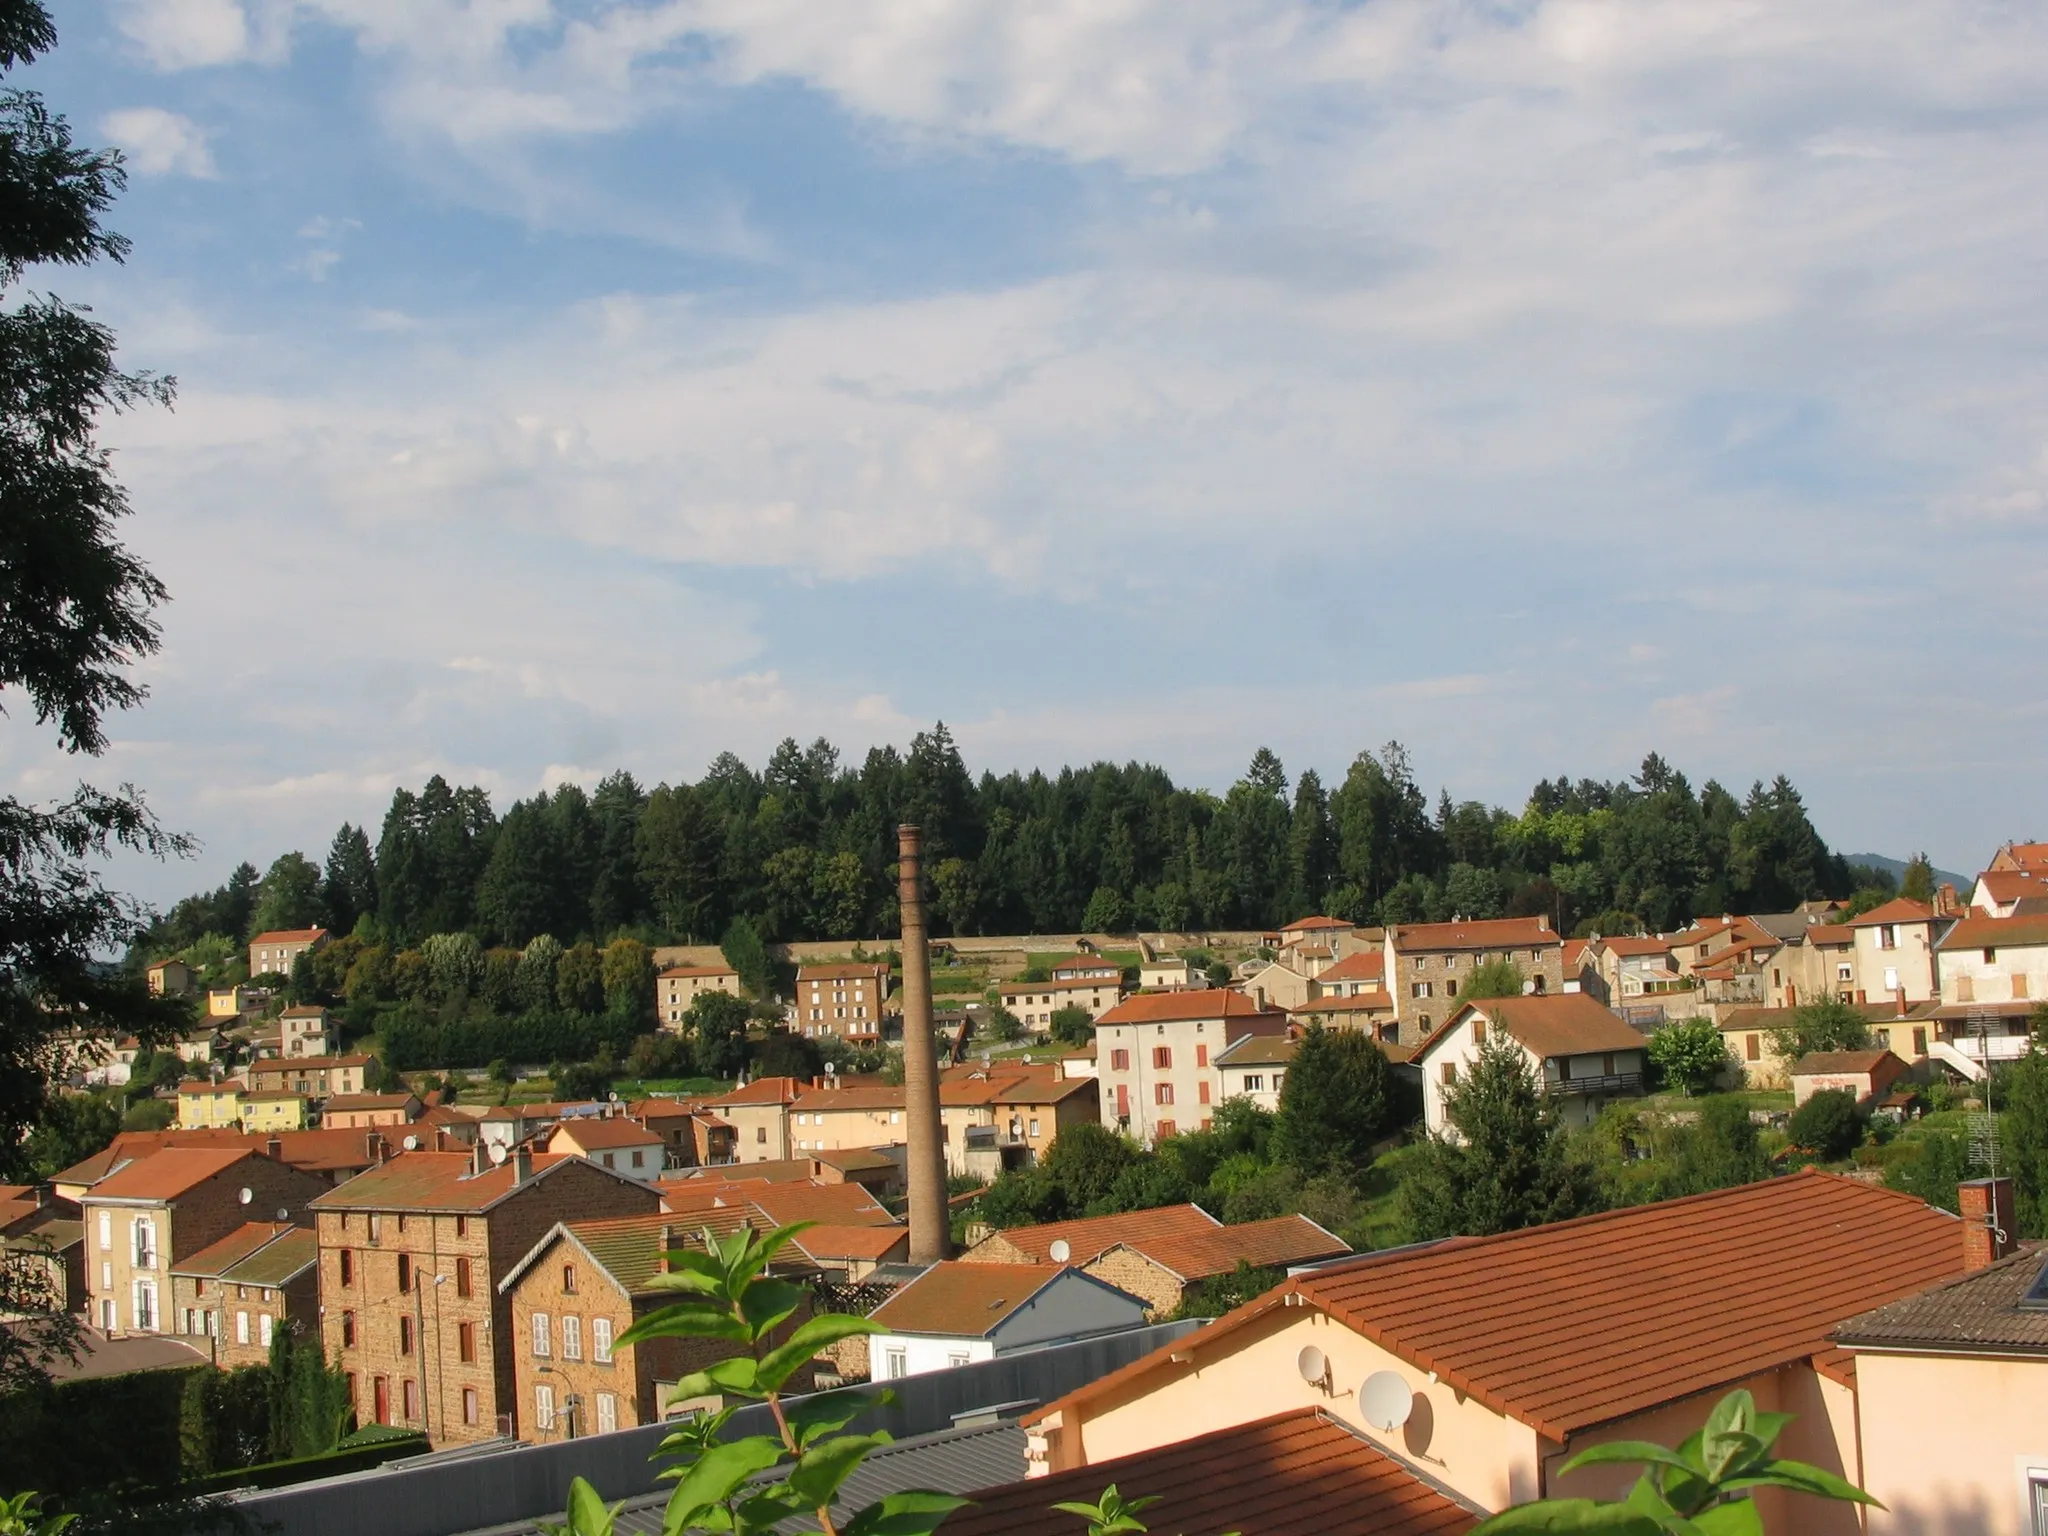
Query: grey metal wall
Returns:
{"type": "Point", "coordinates": [503, 1484]}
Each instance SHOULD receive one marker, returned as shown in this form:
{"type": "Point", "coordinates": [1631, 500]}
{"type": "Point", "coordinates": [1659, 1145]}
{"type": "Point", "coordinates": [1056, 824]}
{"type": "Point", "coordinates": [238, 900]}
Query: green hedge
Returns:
{"type": "Point", "coordinates": [74, 1436]}
{"type": "Point", "coordinates": [303, 1469]}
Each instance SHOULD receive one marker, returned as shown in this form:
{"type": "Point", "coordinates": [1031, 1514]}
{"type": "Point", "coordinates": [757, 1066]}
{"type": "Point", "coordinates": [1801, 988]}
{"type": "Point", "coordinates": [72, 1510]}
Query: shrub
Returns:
{"type": "Point", "coordinates": [1829, 1124]}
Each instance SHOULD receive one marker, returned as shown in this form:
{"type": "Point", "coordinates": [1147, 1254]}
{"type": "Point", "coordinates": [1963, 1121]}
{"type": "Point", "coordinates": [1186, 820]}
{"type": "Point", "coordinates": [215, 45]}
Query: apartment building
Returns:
{"type": "Point", "coordinates": [1154, 1051]}
{"type": "Point", "coordinates": [307, 1030]}
{"type": "Point", "coordinates": [577, 1292]}
{"type": "Point", "coordinates": [411, 1255]}
{"type": "Point", "coordinates": [1894, 952]}
{"type": "Point", "coordinates": [366, 1111]}
{"type": "Point", "coordinates": [676, 988]}
{"type": "Point", "coordinates": [612, 1141]}
{"type": "Point", "coordinates": [1581, 1053]}
{"type": "Point", "coordinates": [273, 953]}
{"type": "Point", "coordinates": [1088, 968]}
{"type": "Point", "coordinates": [1035, 1002]}
{"type": "Point", "coordinates": [1426, 963]}
{"type": "Point", "coordinates": [1170, 973]}
{"type": "Point", "coordinates": [232, 1297]}
{"type": "Point", "coordinates": [758, 1113]}
{"type": "Point", "coordinates": [840, 1000]}
{"type": "Point", "coordinates": [317, 1077]}
{"type": "Point", "coordinates": [990, 1118]}
{"type": "Point", "coordinates": [146, 1217]}
{"type": "Point", "coordinates": [209, 1104]}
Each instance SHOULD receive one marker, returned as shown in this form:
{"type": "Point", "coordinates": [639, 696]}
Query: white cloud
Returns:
{"type": "Point", "coordinates": [160, 143]}
{"type": "Point", "coordinates": [198, 34]}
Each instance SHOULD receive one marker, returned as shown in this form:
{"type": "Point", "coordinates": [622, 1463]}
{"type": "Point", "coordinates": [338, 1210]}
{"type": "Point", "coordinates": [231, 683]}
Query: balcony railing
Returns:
{"type": "Point", "coordinates": [1993, 1047]}
{"type": "Point", "coordinates": [1611, 1082]}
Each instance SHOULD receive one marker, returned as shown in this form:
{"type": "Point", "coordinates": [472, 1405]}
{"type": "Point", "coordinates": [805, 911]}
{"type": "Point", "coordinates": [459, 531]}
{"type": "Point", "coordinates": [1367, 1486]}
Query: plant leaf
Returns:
{"type": "Point", "coordinates": [721, 1376]}
{"type": "Point", "coordinates": [1736, 1412]}
{"type": "Point", "coordinates": [1581, 1517]}
{"type": "Point", "coordinates": [913, 1512]}
{"type": "Point", "coordinates": [821, 1469]}
{"type": "Point", "coordinates": [810, 1417]}
{"type": "Point", "coordinates": [768, 1302]}
{"type": "Point", "coordinates": [1739, 1518]}
{"type": "Point", "coordinates": [1629, 1452]}
{"type": "Point", "coordinates": [812, 1335]}
{"type": "Point", "coordinates": [1802, 1477]}
{"type": "Point", "coordinates": [718, 1474]}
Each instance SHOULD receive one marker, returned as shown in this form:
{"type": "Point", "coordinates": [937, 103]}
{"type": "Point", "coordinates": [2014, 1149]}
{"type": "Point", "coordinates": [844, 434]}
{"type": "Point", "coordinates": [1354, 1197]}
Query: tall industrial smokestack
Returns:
{"type": "Point", "coordinates": [930, 1232]}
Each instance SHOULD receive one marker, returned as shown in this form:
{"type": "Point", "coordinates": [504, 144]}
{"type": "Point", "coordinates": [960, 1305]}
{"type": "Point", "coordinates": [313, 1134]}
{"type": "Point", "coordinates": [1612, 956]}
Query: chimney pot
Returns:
{"type": "Point", "coordinates": [274, 1149]}
{"type": "Point", "coordinates": [479, 1156]}
{"type": "Point", "coordinates": [522, 1163]}
{"type": "Point", "coordinates": [1989, 1229]}
{"type": "Point", "coordinates": [379, 1147]}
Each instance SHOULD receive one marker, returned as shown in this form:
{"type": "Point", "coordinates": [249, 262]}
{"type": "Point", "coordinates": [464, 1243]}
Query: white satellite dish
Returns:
{"type": "Point", "coordinates": [1385, 1401]}
{"type": "Point", "coordinates": [412, 1143]}
{"type": "Point", "coordinates": [246, 1195]}
{"type": "Point", "coordinates": [1061, 1250]}
{"type": "Point", "coordinates": [1313, 1364]}
{"type": "Point", "coordinates": [497, 1151]}
{"type": "Point", "coordinates": [283, 1215]}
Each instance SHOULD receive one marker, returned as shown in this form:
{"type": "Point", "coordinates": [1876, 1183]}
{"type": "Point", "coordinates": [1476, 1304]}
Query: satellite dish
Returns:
{"type": "Point", "coordinates": [1061, 1250]}
{"type": "Point", "coordinates": [412, 1143]}
{"type": "Point", "coordinates": [1385, 1401]}
{"type": "Point", "coordinates": [497, 1151]}
{"type": "Point", "coordinates": [246, 1195]}
{"type": "Point", "coordinates": [283, 1215]}
{"type": "Point", "coordinates": [1313, 1364]}
{"type": "Point", "coordinates": [615, 1098]}
{"type": "Point", "coordinates": [831, 1070]}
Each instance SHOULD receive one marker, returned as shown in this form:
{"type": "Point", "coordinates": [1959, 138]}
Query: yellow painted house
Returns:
{"type": "Point", "coordinates": [273, 1109]}
{"type": "Point", "coordinates": [203, 1105]}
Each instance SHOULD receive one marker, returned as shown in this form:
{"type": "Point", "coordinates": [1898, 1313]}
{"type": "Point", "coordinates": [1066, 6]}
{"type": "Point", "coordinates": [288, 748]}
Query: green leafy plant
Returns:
{"type": "Point", "coordinates": [720, 1484]}
{"type": "Point", "coordinates": [19, 1516]}
{"type": "Point", "coordinates": [1113, 1514]}
{"type": "Point", "coordinates": [1700, 1489]}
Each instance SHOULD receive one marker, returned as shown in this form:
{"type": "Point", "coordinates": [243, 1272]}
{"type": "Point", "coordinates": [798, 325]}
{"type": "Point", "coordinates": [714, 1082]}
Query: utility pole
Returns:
{"type": "Point", "coordinates": [930, 1231]}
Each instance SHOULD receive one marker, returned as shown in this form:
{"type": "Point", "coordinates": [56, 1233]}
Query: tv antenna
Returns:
{"type": "Point", "coordinates": [1984, 1123]}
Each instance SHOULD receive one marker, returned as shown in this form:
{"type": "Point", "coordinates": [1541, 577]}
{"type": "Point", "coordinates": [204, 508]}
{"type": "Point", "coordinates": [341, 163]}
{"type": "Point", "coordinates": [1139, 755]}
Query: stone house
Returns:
{"type": "Point", "coordinates": [149, 1215]}
{"type": "Point", "coordinates": [307, 1030]}
{"type": "Point", "coordinates": [317, 1077]}
{"type": "Point", "coordinates": [843, 1001]}
{"type": "Point", "coordinates": [232, 1296]}
{"type": "Point", "coordinates": [1159, 1269]}
{"type": "Point", "coordinates": [578, 1290]}
{"type": "Point", "coordinates": [758, 1113]}
{"type": "Point", "coordinates": [1035, 1002]}
{"type": "Point", "coordinates": [676, 988]}
{"type": "Point", "coordinates": [1869, 1075]}
{"type": "Point", "coordinates": [1426, 963]}
{"type": "Point", "coordinates": [273, 953]}
{"type": "Point", "coordinates": [411, 1255]}
{"type": "Point", "coordinates": [171, 978]}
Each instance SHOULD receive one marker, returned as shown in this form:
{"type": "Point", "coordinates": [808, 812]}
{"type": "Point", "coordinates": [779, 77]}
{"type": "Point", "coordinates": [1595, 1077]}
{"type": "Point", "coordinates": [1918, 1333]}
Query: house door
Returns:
{"type": "Point", "coordinates": [381, 1391]}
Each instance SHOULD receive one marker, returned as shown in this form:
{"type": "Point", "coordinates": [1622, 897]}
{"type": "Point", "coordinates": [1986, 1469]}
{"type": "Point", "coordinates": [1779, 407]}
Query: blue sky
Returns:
{"type": "Point", "coordinates": [567, 386]}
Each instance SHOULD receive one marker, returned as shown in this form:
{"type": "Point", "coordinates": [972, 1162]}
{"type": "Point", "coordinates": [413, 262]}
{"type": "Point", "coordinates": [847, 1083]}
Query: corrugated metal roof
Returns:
{"type": "Point", "coordinates": [1297, 1474]}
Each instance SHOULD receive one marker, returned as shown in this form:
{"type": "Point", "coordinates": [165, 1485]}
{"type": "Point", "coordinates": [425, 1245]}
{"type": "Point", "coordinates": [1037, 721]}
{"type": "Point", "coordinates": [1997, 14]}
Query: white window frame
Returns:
{"type": "Point", "coordinates": [241, 1327]}
{"type": "Point", "coordinates": [607, 1412]}
{"type": "Point", "coordinates": [543, 1346]}
{"type": "Point", "coordinates": [897, 1363]}
{"type": "Point", "coordinates": [543, 1408]}
{"type": "Point", "coordinates": [572, 1336]}
{"type": "Point", "coordinates": [265, 1326]}
{"type": "Point", "coordinates": [601, 1340]}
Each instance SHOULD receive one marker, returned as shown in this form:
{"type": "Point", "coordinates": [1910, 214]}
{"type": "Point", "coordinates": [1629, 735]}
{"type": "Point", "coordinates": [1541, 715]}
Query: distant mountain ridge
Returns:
{"type": "Point", "coordinates": [1896, 868]}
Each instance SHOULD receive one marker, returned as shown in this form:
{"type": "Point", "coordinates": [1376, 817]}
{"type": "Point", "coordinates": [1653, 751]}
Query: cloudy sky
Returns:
{"type": "Point", "coordinates": [574, 385]}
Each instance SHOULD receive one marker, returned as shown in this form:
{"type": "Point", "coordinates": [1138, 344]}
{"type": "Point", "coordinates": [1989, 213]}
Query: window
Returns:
{"type": "Point", "coordinates": [1418, 962]}
{"type": "Point", "coordinates": [1162, 1093]}
{"type": "Point", "coordinates": [572, 1338]}
{"type": "Point", "coordinates": [1123, 1102]}
{"type": "Point", "coordinates": [1119, 1061]}
{"type": "Point", "coordinates": [1162, 1057]}
{"type": "Point", "coordinates": [1607, 1065]}
{"type": "Point", "coordinates": [601, 1340]}
{"type": "Point", "coordinates": [1920, 1042]}
{"type": "Point", "coordinates": [543, 1407]}
{"type": "Point", "coordinates": [1450, 962]}
{"type": "Point", "coordinates": [607, 1413]}
{"type": "Point", "coordinates": [568, 1279]}
{"type": "Point", "coordinates": [265, 1323]}
{"type": "Point", "coordinates": [405, 1335]}
{"type": "Point", "coordinates": [1450, 1073]}
{"type": "Point", "coordinates": [1034, 1127]}
{"type": "Point", "coordinates": [897, 1365]}
{"type": "Point", "coordinates": [1479, 1031]}
{"type": "Point", "coordinates": [1168, 1128]}
{"type": "Point", "coordinates": [1450, 989]}
{"type": "Point", "coordinates": [1418, 989]}
{"type": "Point", "coordinates": [1887, 935]}
{"type": "Point", "coordinates": [465, 1343]}
{"type": "Point", "coordinates": [1422, 1023]}
{"type": "Point", "coordinates": [760, 1133]}
{"type": "Point", "coordinates": [469, 1405]}
{"type": "Point", "coordinates": [144, 1232]}
{"type": "Point", "coordinates": [348, 1267]}
{"type": "Point", "coordinates": [145, 1306]}
{"type": "Point", "coordinates": [1202, 1091]}
{"type": "Point", "coordinates": [1254, 1082]}
{"type": "Point", "coordinates": [1990, 955]}
{"type": "Point", "coordinates": [405, 1271]}
{"type": "Point", "coordinates": [1201, 1055]}
{"type": "Point", "coordinates": [1844, 972]}
{"type": "Point", "coordinates": [1891, 978]}
{"type": "Point", "coordinates": [241, 1327]}
{"type": "Point", "coordinates": [107, 1320]}
{"type": "Point", "coordinates": [1752, 1048]}
{"type": "Point", "coordinates": [462, 1281]}
{"type": "Point", "coordinates": [955, 1357]}
{"type": "Point", "coordinates": [376, 1221]}
{"type": "Point", "coordinates": [106, 1231]}
{"type": "Point", "coordinates": [541, 1345]}
{"type": "Point", "coordinates": [348, 1330]}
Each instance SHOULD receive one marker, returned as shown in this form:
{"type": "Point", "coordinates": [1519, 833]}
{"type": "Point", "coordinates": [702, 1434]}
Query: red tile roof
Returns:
{"type": "Point", "coordinates": [1058, 984]}
{"type": "Point", "coordinates": [2028, 855]}
{"type": "Point", "coordinates": [872, 970]}
{"type": "Point", "coordinates": [1486, 933]}
{"type": "Point", "coordinates": [849, 1205]}
{"type": "Point", "coordinates": [1991, 932]}
{"type": "Point", "coordinates": [2004, 885]}
{"type": "Point", "coordinates": [435, 1181]}
{"type": "Point", "coordinates": [1295, 1474]}
{"type": "Point", "coordinates": [763, 1090]}
{"type": "Point", "coordinates": [1359, 965]}
{"type": "Point", "coordinates": [677, 972]}
{"type": "Point", "coordinates": [217, 1258]}
{"type": "Point", "coordinates": [827, 1241]}
{"type": "Point", "coordinates": [1830, 933]}
{"type": "Point", "coordinates": [168, 1173]}
{"type": "Point", "coordinates": [1092, 1236]}
{"type": "Point", "coordinates": [613, 1131]}
{"type": "Point", "coordinates": [1272, 1244]}
{"type": "Point", "coordinates": [1168, 1007]}
{"type": "Point", "coordinates": [289, 936]}
{"type": "Point", "coordinates": [1629, 946]}
{"type": "Point", "coordinates": [1358, 1002]}
{"type": "Point", "coordinates": [1317, 925]}
{"type": "Point", "coordinates": [1897, 910]}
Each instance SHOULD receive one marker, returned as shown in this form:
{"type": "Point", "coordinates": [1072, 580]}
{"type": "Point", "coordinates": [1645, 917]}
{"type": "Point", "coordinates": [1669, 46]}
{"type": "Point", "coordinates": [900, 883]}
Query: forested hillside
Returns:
{"type": "Point", "coordinates": [804, 848]}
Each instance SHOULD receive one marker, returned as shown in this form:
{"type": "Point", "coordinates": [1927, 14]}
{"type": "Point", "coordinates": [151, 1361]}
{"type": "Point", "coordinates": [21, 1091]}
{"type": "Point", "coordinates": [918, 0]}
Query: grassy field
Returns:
{"type": "Point", "coordinates": [1382, 1226]}
{"type": "Point", "coordinates": [1752, 1098]}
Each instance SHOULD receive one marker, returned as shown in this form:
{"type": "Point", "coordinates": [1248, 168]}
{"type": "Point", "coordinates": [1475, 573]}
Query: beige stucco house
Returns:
{"type": "Point", "coordinates": [1154, 1056]}
{"type": "Point", "coordinates": [1581, 1053]}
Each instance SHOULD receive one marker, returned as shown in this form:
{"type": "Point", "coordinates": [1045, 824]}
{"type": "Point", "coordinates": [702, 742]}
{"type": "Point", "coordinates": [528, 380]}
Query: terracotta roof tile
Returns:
{"type": "Point", "coordinates": [1167, 1007]}
{"type": "Point", "coordinates": [1361, 1002]}
{"type": "Point", "coordinates": [431, 1181]}
{"type": "Point", "coordinates": [678, 972]}
{"type": "Point", "coordinates": [630, 1248]}
{"type": "Point", "coordinates": [168, 1173]}
{"type": "Point", "coordinates": [1092, 1236]}
{"type": "Point", "coordinates": [217, 1258]}
{"type": "Point", "coordinates": [1487, 933]}
{"type": "Point", "coordinates": [1272, 1244]}
{"type": "Point", "coordinates": [1991, 932]}
{"type": "Point", "coordinates": [1360, 965]}
{"type": "Point", "coordinates": [856, 971]}
{"type": "Point", "coordinates": [289, 936]}
{"type": "Point", "coordinates": [1295, 1474]}
{"type": "Point", "coordinates": [2003, 885]}
{"type": "Point", "coordinates": [826, 1242]}
{"type": "Point", "coordinates": [1559, 1024]}
{"type": "Point", "coordinates": [1815, 1062]}
{"type": "Point", "coordinates": [763, 1090]}
{"type": "Point", "coordinates": [1830, 933]}
{"type": "Point", "coordinates": [1259, 1051]}
{"type": "Point", "coordinates": [1581, 1322]}
{"type": "Point", "coordinates": [851, 1205]}
{"type": "Point", "coordinates": [1897, 910]}
{"type": "Point", "coordinates": [1057, 984]}
{"type": "Point", "coordinates": [613, 1131]}
{"type": "Point", "coordinates": [1318, 925]}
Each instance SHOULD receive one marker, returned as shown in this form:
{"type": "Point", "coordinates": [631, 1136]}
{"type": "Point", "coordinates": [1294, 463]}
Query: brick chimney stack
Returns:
{"type": "Point", "coordinates": [1989, 1228]}
{"type": "Point", "coordinates": [930, 1233]}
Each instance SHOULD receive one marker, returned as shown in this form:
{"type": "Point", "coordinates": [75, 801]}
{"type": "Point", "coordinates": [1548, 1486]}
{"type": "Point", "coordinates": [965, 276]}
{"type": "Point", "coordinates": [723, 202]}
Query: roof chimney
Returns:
{"type": "Point", "coordinates": [479, 1156]}
{"type": "Point", "coordinates": [379, 1147]}
{"type": "Point", "coordinates": [1989, 1231]}
{"type": "Point", "coordinates": [522, 1163]}
{"type": "Point", "coordinates": [274, 1149]}
{"type": "Point", "coordinates": [1899, 1000]}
